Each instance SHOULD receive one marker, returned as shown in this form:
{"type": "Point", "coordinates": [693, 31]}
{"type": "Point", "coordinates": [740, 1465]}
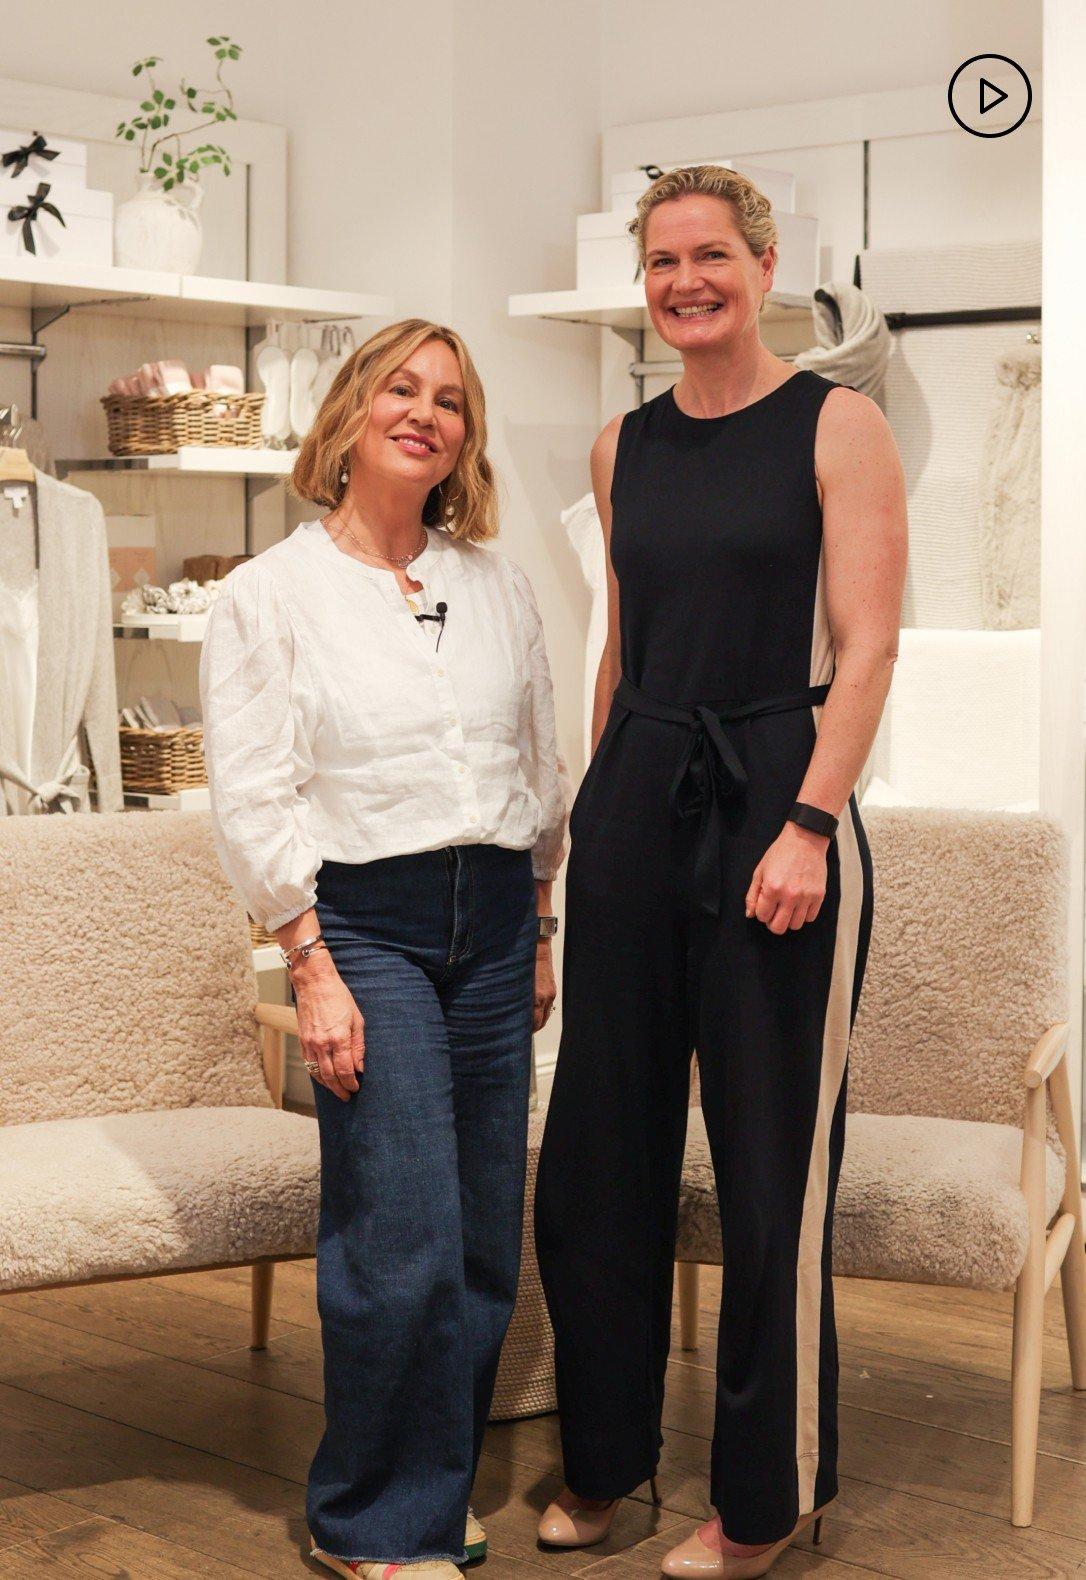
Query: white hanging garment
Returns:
{"type": "Point", "coordinates": [1010, 495]}
{"type": "Point", "coordinates": [74, 697]}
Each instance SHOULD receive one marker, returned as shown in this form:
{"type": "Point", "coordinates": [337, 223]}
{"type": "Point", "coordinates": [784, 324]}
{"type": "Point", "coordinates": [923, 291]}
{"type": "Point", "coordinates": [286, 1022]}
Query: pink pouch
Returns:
{"type": "Point", "coordinates": [222, 377]}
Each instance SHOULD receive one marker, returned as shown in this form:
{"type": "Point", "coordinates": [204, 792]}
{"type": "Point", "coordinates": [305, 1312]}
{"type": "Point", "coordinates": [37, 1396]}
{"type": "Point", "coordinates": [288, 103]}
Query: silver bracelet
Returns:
{"type": "Point", "coordinates": [305, 948]}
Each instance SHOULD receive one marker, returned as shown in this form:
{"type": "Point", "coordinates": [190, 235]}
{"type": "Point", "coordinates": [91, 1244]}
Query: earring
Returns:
{"type": "Point", "coordinates": [344, 476]}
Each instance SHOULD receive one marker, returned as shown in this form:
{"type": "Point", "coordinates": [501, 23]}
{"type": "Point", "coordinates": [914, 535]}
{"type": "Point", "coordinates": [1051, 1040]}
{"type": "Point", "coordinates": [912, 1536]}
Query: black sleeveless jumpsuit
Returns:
{"type": "Point", "coordinates": [716, 542]}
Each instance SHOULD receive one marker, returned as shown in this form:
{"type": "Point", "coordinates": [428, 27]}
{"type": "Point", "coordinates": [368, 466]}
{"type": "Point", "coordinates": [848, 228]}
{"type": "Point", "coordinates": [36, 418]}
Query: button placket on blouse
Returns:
{"type": "Point", "coordinates": [447, 703]}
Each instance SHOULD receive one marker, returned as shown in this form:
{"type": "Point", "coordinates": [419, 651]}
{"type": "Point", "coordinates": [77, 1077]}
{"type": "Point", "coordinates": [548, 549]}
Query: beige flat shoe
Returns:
{"type": "Point", "coordinates": [362, 1569]}
{"type": "Point", "coordinates": [694, 1559]}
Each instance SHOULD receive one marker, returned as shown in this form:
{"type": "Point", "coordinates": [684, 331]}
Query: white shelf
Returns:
{"type": "Point", "coordinates": [623, 306]}
{"type": "Point", "coordinates": [192, 460]}
{"type": "Point", "coordinates": [268, 958]}
{"type": "Point", "coordinates": [163, 628]}
{"type": "Point", "coordinates": [43, 283]}
{"type": "Point", "coordinates": [197, 799]}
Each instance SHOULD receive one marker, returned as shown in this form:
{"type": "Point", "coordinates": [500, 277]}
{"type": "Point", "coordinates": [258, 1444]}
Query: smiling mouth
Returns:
{"type": "Point", "coordinates": [414, 445]}
{"type": "Point", "coordinates": [697, 310]}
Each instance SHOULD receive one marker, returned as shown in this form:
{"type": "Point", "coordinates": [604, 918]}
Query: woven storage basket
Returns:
{"type": "Point", "coordinates": [161, 424]}
{"type": "Point", "coordinates": [162, 761]}
{"type": "Point", "coordinates": [260, 936]}
{"type": "Point", "coordinates": [525, 1384]}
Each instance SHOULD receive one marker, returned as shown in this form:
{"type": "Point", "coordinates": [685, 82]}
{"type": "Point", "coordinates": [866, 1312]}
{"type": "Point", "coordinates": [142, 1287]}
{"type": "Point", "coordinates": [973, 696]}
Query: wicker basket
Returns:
{"type": "Point", "coordinates": [162, 761]}
{"type": "Point", "coordinates": [260, 936]}
{"type": "Point", "coordinates": [525, 1384]}
{"type": "Point", "coordinates": [161, 424]}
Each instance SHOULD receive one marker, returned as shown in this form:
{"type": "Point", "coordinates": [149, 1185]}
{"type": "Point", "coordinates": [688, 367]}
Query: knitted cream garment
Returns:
{"type": "Point", "coordinates": [1010, 495]}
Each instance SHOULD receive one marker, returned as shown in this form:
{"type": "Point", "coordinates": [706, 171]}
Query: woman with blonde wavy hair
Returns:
{"type": "Point", "coordinates": [388, 798]}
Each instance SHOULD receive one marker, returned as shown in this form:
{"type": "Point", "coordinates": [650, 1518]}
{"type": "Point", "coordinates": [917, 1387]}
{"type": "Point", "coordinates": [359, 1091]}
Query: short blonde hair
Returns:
{"type": "Point", "coordinates": [465, 504]}
{"type": "Point", "coordinates": [752, 209]}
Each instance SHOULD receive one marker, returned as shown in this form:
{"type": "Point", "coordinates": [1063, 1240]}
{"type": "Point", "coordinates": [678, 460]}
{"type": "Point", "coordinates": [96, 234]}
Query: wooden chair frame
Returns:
{"type": "Point", "coordinates": [1053, 1248]}
{"type": "Point", "coordinates": [275, 1021]}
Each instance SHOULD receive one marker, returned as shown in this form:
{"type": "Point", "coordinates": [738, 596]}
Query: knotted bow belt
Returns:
{"type": "Point", "coordinates": [710, 771]}
{"type": "Point", "coordinates": [65, 792]}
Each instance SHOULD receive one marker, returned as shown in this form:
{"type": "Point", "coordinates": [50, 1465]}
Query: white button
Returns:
{"type": "Point", "coordinates": [473, 818]}
{"type": "Point", "coordinates": [450, 718]}
{"type": "Point", "coordinates": [460, 768]}
{"type": "Point", "coordinates": [439, 672]}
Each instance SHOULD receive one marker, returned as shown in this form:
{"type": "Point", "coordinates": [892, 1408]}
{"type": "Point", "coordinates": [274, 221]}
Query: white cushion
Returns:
{"type": "Point", "coordinates": [919, 1199]}
{"type": "Point", "coordinates": [154, 1192]}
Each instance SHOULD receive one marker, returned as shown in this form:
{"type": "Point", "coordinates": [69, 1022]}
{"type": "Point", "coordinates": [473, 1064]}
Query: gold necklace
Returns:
{"type": "Point", "coordinates": [402, 560]}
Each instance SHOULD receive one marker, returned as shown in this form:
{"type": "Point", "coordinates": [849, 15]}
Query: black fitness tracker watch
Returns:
{"type": "Point", "coordinates": [548, 926]}
{"type": "Point", "coordinates": [814, 818]}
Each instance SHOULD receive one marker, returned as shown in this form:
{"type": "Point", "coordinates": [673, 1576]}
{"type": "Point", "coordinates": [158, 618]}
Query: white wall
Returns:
{"type": "Point", "coordinates": [691, 59]}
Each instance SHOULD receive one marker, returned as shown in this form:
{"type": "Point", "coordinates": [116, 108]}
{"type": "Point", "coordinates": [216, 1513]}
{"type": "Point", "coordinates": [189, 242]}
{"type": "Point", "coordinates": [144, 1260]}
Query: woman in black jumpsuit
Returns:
{"type": "Point", "coordinates": [727, 657]}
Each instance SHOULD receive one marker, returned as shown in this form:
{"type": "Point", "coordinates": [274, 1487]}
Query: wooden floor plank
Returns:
{"type": "Point", "coordinates": [27, 1513]}
{"type": "Point", "coordinates": [97, 1547]}
{"type": "Point", "coordinates": [140, 1436]}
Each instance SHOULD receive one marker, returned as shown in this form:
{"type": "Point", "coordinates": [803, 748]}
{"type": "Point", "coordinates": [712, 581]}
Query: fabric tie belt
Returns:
{"type": "Point", "coordinates": [710, 771]}
{"type": "Point", "coordinates": [65, 792]}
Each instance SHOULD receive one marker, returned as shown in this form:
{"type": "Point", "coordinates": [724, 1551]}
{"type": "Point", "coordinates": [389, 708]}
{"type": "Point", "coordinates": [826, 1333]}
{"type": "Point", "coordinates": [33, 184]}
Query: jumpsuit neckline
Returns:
{"type": "Point", "coordinates": [726, 416]}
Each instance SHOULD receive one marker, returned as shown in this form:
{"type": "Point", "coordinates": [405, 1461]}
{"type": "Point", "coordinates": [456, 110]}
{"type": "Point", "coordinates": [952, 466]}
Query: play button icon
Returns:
{"type": "Point", "coordinates": [990, 95]}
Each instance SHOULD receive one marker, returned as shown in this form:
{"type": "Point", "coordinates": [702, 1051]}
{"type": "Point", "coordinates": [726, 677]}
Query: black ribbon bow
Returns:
{"type": "Point", "coordinates": [28, 212]}
{"type": "Point", "coordinates": [17, 159]}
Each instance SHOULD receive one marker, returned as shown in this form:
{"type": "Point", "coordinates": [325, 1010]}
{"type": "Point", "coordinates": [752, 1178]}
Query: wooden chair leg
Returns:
{"type": "Point", "coordinates": [1073, 1268]}
{"type": "Point", "coordinates": [1029, 1310]}
{"type": "Point", "coordinates": [689, 1278]}
{"type": "Point", "coordinates": [263, 1273]}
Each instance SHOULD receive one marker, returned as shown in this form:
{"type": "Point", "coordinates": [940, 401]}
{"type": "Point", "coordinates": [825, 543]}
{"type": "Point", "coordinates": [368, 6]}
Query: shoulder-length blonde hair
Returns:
{"type": "Point", "coordinates": [465, 504]}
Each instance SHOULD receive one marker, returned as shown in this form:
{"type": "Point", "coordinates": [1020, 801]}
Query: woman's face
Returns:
{"type": "Point", "coordinates": [417, 425]}
{"type": "Point", "coordinates": [703, 285]}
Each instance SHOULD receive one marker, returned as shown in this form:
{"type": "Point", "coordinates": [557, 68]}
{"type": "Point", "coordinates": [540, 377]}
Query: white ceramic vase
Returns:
{"type": "Point", "coordinates": [159, 230]}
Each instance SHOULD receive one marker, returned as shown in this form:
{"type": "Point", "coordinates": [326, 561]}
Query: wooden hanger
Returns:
{"type": "Point", "coordinates": [15, 466]}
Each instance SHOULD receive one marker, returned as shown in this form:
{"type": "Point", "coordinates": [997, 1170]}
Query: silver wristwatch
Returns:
{"type": "Point", "coordinates": [548, 926]}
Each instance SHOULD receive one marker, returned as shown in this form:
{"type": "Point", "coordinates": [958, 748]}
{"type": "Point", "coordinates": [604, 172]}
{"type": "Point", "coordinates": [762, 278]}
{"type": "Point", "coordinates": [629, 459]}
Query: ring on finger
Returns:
{"type": "Point", "coordinates": [312, 1066]}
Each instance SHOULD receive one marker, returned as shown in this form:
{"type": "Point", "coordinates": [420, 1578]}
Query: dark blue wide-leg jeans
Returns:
{"type": "Point", "coordinates": [422, 1185]}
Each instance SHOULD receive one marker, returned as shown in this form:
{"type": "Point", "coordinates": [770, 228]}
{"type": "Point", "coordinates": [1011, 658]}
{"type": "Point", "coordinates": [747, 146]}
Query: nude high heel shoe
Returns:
{"type": "Point", "coordinates": [579, 1527]}
{"type": "Point", "coordinates": [694, 1559]}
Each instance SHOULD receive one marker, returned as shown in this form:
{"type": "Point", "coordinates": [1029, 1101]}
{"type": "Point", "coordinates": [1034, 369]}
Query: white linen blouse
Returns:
{"type": "Point", "coordinates": [336, 727]}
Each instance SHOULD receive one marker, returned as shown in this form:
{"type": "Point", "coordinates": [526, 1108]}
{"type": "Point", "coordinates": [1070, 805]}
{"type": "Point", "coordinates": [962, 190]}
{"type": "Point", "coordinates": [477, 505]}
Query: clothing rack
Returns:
{"type": "Point", "coordinates": [958, 315]}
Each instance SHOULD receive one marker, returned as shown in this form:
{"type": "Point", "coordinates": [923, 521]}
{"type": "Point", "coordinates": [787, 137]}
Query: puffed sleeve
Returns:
{"type": "Point", "coordinates": [544, 766]}
{"type": "Point", "coordinates": [257, 698]}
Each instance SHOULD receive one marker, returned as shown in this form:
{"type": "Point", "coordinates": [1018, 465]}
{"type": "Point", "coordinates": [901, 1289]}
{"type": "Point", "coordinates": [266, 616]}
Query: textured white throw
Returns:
{"type": "Point", "coordinates": [856, 351]}
{"type": "Point", "coordinates": [1010, 499]}
{"type": "Point", "coordinates": [939, 390]}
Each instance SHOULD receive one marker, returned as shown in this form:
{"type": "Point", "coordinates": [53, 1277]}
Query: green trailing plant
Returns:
{"type": "Point", "coordinates": [163, 147]}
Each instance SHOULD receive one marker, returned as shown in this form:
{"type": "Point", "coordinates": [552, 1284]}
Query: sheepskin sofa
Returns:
{"type": "Point", "coordinates": [966, 969]}
{"type": "Point", "coordinates": [137, 1131]}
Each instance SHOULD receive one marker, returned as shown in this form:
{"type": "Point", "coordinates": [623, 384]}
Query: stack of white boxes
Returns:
{"type": "Point", "coordinates": [607, 255]}
{"type": "Point", "coordinates": [87, 233]}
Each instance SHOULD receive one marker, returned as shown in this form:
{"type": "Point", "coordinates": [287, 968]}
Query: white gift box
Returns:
{"type": "Point", "coordinates": [779, 186]}
{"type": "Point", "coordinates": [85, 237]}
{"type": "Point", "coordinates": [607, 253]}
{"type": "Point", "coordinates": [67, 172]}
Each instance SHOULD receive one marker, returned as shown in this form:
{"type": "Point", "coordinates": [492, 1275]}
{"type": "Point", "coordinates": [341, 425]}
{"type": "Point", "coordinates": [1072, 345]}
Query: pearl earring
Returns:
{"type": "Point", "coordinates": [344, 476]}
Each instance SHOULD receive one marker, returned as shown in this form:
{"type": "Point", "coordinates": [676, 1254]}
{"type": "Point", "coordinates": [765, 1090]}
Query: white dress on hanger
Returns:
{"type": "Point", "coordinates": [19, 665]}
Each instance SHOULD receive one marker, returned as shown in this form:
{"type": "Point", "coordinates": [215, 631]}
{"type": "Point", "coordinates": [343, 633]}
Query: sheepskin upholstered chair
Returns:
{"type": "Point", "coordinates": [955, 1170]}
{"type": "Point", "coordinates": [141, 1126]}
